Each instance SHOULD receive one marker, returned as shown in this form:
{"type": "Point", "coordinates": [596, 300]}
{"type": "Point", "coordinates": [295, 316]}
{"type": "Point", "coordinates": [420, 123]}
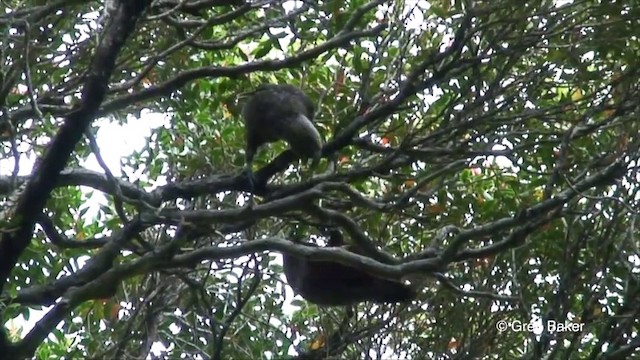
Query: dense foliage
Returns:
{"type": "Point", "coordinates": [486, 149]}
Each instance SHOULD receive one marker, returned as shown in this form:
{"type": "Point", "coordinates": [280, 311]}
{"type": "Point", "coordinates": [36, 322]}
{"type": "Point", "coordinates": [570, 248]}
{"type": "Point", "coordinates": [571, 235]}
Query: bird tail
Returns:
{"type": "Point", "coordinates": [303, 137]}
{"type": "Point", "coordinates": [393, 292]}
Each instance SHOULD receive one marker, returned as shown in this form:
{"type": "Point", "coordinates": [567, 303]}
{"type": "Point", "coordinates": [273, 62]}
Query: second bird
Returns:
{"type": "Point", "coordinates": [325, 282]}
{"type": "Point", "coordinates": [281, 112]}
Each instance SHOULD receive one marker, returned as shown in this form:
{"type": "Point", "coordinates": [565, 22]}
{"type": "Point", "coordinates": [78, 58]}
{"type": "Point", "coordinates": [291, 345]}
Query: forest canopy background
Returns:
{"type": "Point", "coordinates": [487, 149]}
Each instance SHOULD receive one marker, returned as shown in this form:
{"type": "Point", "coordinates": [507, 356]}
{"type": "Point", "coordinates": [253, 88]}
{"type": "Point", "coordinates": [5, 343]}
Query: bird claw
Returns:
{"type": "Point", "coordinates": [251, 179]}
{"type": "Point", "coordinates": [250, 205]}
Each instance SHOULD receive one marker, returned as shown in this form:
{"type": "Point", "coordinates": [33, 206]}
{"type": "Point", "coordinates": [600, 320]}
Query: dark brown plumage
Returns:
{"type": "Point", "coordinates": [281, 112]}
{"type": "Point", "coordinates": [332, 283]}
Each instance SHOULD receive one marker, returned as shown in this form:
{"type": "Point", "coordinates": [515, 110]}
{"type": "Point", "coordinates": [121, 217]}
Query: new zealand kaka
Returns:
{"type": "Point", "coordinates": [281, 112]}
{"type": "Point", "coordinates": [334, 284]}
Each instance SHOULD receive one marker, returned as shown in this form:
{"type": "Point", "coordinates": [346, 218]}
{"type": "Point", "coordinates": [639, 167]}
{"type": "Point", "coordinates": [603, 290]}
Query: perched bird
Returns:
{"type": "Point", "coordinates": [280, 112]}
{"type": "Point", "coordinates": [331, 283]}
